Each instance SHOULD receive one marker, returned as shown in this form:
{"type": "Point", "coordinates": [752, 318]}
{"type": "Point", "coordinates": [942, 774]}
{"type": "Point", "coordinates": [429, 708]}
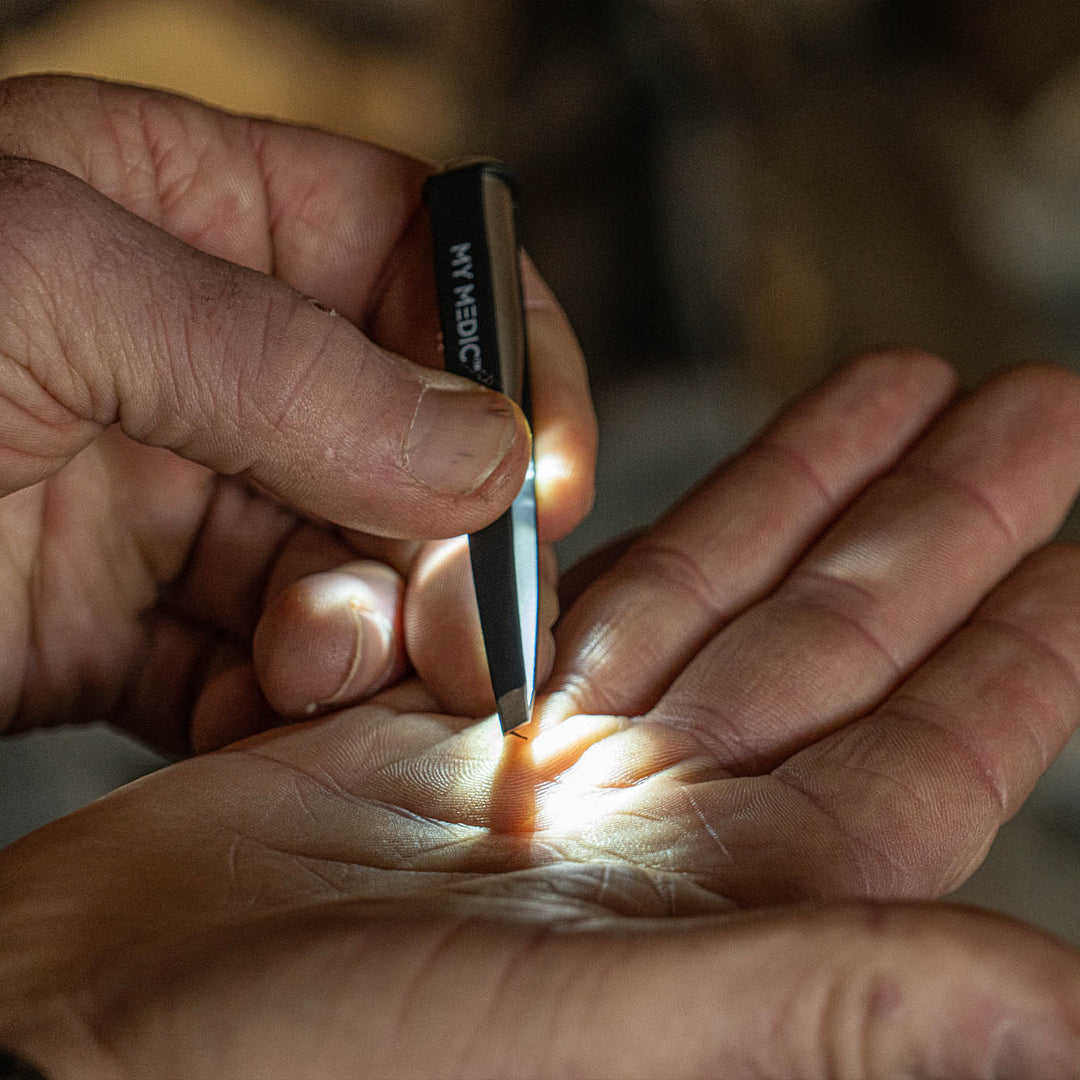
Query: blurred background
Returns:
{"type": "Point", "coordinates": [729, 196]}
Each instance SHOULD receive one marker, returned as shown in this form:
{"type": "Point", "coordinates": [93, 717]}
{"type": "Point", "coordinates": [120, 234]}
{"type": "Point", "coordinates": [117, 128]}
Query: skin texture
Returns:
{"type": "Point", "coordinates": [195, 415]}
{"type": "Point", "coordinates": [392, 891]}
{"type": "Point", "coordinates": [778, 723]}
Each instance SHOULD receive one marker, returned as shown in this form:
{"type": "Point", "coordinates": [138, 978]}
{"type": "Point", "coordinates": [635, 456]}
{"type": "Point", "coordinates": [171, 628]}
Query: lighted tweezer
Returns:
{"type": "Point", "coordinates": [477, 276]}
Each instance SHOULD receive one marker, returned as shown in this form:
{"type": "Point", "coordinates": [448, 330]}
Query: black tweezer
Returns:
{"type": "Point", "coordinates": [477, 277]}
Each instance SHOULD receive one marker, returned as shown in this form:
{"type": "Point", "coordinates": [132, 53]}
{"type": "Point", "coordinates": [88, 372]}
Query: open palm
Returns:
{"type": "Point", "coordinates": [828, 675]}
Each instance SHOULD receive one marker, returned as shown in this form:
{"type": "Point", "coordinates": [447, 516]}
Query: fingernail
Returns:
{"type": "Point", "coordinates": [372, 657]}
{"type": "Point", "coordinates": [457, 438]}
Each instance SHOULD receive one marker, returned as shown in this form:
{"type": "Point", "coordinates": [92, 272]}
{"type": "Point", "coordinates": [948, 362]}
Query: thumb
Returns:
{"type": "Point", "coordinates": [108, 319]}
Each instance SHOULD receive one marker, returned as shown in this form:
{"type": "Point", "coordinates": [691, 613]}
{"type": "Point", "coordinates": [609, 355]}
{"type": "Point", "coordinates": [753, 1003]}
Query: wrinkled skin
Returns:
{"type": "Point", "coordinates": [134, 578]}
{"type": "Point", "coordinates": [777, 723]}
{"type": "Point", "coordinates": [841, 695]}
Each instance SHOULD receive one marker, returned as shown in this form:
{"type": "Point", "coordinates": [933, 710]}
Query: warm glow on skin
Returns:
{"type": "Point", "coordinates": [568, 771]}
{"type": "Point", "coordinates": [568, 777]}
{"type": "Point", "coordinates": [552, 471]}
{"type": "Point", "coordinates": [579, 797]}
{"type": "Point", "coordinates": [437, 557]}
{"type": "Point", "coordinates": [561, 778]}
{"type": "Point", "coordinates": [331, 591]}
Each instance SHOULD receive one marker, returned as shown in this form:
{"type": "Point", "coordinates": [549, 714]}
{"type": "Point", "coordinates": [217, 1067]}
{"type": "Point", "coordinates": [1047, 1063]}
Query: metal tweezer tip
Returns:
{"type": "Point", "coordinates": [513, 711]}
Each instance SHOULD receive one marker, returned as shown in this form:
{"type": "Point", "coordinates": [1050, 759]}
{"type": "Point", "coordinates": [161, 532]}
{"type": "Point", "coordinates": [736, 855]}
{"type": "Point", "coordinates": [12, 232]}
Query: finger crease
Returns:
{"type": "Point", "coordinates": [257, 141]}
{"type": "Point", "coordinates": [909, 709]}
{"type": "Point", "coordinates": [1036, 644]}
{"type": "Point", "coordinates": [956, 486]}
{"type": "Point", "coordinates": [857, 624]}
{"type": "Point", "coordinates": [650, 559]}
{"type": "Point", "coordinates": [801, 463]}
{"type": "Point", "coordinates": [832, 813]}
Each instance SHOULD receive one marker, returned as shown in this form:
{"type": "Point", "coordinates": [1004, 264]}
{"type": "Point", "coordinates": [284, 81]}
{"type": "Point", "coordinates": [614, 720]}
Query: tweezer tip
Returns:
{"type": "Point", "coordinates": [513, 710]}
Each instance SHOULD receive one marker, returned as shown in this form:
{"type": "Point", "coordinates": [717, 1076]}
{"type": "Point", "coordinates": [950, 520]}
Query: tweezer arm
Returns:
{"type": "Point", "coordinates": [483, 332]}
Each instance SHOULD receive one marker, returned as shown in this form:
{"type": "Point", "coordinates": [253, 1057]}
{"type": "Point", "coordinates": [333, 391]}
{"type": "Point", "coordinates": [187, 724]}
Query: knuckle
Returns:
{"type": "Point", "coordinates": [41, 236]}
{"type": "Point", "coordinates": [276, 377]}
{"type": "Point", "coordinates": [669, 568]}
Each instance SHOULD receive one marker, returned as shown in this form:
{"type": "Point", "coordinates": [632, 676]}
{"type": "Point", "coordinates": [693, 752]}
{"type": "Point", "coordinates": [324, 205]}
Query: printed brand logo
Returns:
{"type": "Point", "coordinates": [466, 320]}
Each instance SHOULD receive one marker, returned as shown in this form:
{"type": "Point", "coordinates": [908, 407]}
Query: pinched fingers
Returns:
{"type": "Point", "coordinates": [339, 221]}
{"type": "Point", "coordinates": [333, 637]}
{"type": "Point", "coordinates": [111, 320]}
